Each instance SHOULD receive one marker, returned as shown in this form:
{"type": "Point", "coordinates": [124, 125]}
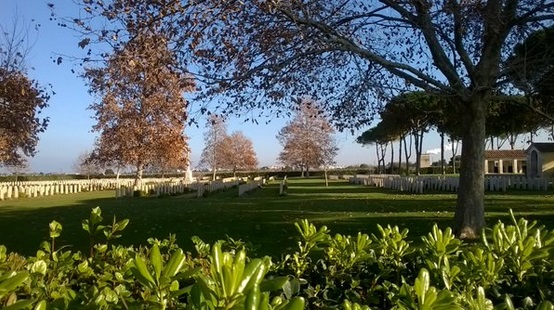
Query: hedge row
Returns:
{"type": "Point", "coordinates": [510, 268]}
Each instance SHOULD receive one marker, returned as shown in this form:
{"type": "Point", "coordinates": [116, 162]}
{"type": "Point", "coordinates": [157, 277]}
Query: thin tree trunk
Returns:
{"type": "Point", "coordinates": [453, 156]}
{"type": "Point", "coordinates": [383, 148]}
{"type": "Point", "coordinates": [469, 218]}
{"type": "Point", "coordinates": [513, 139]}
{"type": "Point", "coordinates": [418, 138]}
{"type": "Point", "coordinates": [400, 154]}
{"type": "Point", "coordinates": [391, 158]}
{"type": "Point", "coordinates": [326, 179]}
{"type": "Point", "coordinates": [443, 170]}
{"type": "Point", "coordinates": [378, 158]}
{"type": "Point", "coordinates": [408, 153]}
{"type": "Point", "coordinates": [416, 142]}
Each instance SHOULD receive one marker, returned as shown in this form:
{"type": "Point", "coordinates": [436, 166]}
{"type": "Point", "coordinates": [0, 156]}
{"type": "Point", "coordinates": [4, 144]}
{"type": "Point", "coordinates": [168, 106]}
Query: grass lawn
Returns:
{"type": "Point", "coordinates": [261, 217]}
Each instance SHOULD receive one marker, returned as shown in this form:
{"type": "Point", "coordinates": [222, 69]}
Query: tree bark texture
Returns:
{"type": "Point", "coordinates": [138, 175]}
{"type": "Point", "coordinates": [469, 218]}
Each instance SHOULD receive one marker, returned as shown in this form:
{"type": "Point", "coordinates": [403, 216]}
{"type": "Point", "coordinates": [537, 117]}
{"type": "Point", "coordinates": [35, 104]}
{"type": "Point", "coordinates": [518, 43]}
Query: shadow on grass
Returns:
{"type": "Point", "coordinates": [261, 217]}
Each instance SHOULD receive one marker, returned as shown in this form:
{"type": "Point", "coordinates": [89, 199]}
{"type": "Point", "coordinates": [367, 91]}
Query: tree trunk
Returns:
{"type": "Point", "coordinates": [443, 170]}
{"type": "Point", "coordinates": [420, 151]}
{"type": "Point", "coordinates": [391, 158]}
{"type": "Point", "coordinates": [513, 139]}
{"type": "Point", "coordinates": [382, 155]}
{"type": "Point", "coordinates": [326, 179]}
{"type": "Point", "coordinates": [400, 155]}
{"type": "Point", "coordinates": [214, 171]}
{"type": "Point", "coordinates": [417, 139]}
{"type": "Point", "coordinates": [138, 175]}
{"type": "Point", "coordinates": [378, 158]}
{"type": "Point", "coordinates": [453, 157]}
{"type": "Point", "coordinates": [469, 218]}
{"type": "Point", "coordinates": [408, 153]}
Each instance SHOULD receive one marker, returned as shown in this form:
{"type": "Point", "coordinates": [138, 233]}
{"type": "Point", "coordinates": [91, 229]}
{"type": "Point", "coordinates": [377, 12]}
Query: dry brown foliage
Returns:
{"type": "Point", "coordinates": [141, 112]}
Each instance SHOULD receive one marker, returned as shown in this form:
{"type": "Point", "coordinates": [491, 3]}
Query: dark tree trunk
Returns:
{"type": "Point", "coordinates": [400, 154]}
{"type": "Point", "coordinates": [420, 151]}
{"type": "Point", "coordinates": [418, 140]}
{"type": "Point", "coordinates": [382, 155]}
{"type": "Point", "coordinates": [443, 170]}
{"type": "Point", "coordinates": [455, 145]}
{"type": "Point", "coordinates": [378, 158]}
{"type": "Point", "coordinates": [513, 139]}
{"type": "Point", "coordinates": [469, 218]}
{"type": "Point", "coordinates": [408, 153]}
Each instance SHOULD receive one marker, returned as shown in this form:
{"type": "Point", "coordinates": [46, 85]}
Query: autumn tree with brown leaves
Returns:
{"type": "Point", "coordinates": [212, 155]}
{"type": "Point", "coordinates": [238, 153]}
{"type": "Point", "coordinates": [307, 140]}
{"type": "Point", "coordinates": [22, 99]}
{"type": "Point", "coordinates": [141, 112]}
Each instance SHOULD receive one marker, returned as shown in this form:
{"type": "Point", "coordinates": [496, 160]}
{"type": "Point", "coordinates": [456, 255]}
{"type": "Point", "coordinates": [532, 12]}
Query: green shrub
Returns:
{"type": "Point", "coordinates": [512, 268]}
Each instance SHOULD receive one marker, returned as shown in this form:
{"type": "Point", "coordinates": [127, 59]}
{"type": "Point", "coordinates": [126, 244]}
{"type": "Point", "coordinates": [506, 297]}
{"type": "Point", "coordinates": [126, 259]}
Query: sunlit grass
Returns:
{"type": "Point", "coordinates": [262, 217]}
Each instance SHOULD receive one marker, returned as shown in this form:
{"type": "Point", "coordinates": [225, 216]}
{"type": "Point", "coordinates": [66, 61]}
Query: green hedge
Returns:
{"type": "Point", "coordinates": [511, 268]}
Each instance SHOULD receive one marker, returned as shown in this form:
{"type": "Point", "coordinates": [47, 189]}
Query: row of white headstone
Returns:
{"type": "Point", "coordinates": [14, 190]}
{"type": "Point", "coordinates": [122, 187]}
{"type": "Point", "coordinates": [256, 183]}
{"type": "Point", "coordinates": [18, 191]}
{"type": "Point", "coordinates": [157, 189]}
{"type": "Point", "coordinates": [420, 184]}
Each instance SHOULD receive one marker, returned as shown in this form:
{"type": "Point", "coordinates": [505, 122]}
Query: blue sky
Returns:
{"type": "Point", "coordinates": [69, 132]}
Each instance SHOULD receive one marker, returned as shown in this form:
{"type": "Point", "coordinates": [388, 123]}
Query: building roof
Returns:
{"type": "Point", "coordinates": [543, 147]}
{"type": "Point", "coordinates": [505, 154]}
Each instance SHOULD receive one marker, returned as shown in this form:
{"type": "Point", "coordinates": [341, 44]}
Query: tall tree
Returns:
{"type": "Point", "coordinates": [238, 153]}
{"type": "Point", "coordinates": [141, 111]}
{"type": "Point", "coordinates": [380, 136]}
{"type": "Point", "coordinates": [352, 53]}
{"type": "Point", "coordinates": [22, 99]}
{"type": "Point", "coordinates": [213, 139]}
{"type": "Point", "coordinates": [411, 113]}
{"type": "Point", "coordinates": [307, 138]}
{"type": "Point", "coordinates": [509, 117]}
